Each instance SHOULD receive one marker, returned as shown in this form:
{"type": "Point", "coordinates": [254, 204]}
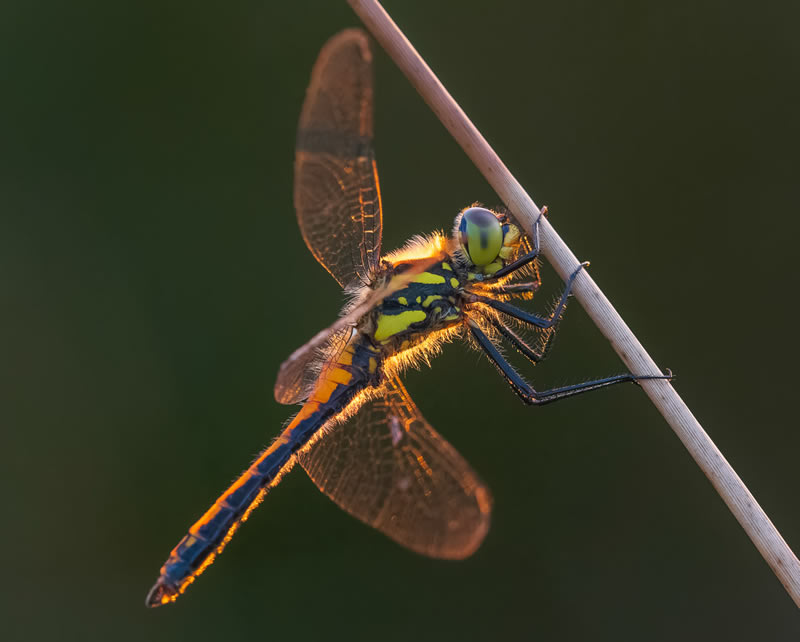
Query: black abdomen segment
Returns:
{"type": "Point", "coordinates": [208, 536]}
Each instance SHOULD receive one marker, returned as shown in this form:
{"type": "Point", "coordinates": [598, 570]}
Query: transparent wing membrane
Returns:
{"type": "Point", "coordinates": [298, 373]}
{"type": "Point", "coordinates": [336, 191]}
{"type": "Point", "coordinates": [389, 468]}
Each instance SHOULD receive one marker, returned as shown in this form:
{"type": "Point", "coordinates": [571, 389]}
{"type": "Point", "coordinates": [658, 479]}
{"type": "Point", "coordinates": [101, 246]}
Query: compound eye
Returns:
{"type": "Point", "coordinates": [481, 235]}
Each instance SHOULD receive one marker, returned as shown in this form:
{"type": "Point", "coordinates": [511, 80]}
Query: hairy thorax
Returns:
{"type": "Point", "coordinates": [423, 307]}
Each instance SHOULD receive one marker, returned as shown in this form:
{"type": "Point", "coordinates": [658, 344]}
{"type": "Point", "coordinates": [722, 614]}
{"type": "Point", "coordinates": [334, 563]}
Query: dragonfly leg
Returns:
{"type": "Point", "coordinates": [514, 289]}
{"type": "Point", "coordinates": [534, 397]}
{"type": "Point", "coordinates": [533, 355]}
{"type": "Point", "coordinates": [526, 317]}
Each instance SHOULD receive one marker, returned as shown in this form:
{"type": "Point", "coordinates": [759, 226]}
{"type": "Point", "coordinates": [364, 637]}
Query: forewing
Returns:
{"type": "Point", "coordinates": [389, 468]}
{"type": "Point", "coordinates": [336, 192]}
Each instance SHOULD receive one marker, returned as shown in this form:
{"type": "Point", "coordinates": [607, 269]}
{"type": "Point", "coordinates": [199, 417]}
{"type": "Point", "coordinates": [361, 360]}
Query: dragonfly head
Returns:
{"type": "Point", "coordinates": [488, 241]}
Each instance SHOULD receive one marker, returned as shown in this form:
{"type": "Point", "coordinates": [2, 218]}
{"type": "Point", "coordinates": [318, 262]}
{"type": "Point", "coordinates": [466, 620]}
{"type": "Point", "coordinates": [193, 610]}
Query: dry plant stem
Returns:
{"type": "Point", "coordinates": [727, 483]}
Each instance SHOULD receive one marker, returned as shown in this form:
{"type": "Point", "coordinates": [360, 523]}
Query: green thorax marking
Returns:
{"type": "Point", "coordinates": [429, 302]}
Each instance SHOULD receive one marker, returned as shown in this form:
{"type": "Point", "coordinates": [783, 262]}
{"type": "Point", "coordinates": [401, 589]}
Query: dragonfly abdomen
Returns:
{"type": "Point", "coordinates": [337, 387]}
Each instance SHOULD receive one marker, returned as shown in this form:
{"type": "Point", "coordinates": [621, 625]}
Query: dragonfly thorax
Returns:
{"type": "Point", "coordinates": [428, 304]}
{"type": "Point", "coordinates": [428, 301]}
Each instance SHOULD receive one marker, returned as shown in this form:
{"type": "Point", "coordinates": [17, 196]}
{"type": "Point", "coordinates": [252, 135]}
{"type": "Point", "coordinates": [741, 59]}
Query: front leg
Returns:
{"type": "Point", "coordinates": [526, 317]}
{"type": "Point", "coordinates": [524, 260]}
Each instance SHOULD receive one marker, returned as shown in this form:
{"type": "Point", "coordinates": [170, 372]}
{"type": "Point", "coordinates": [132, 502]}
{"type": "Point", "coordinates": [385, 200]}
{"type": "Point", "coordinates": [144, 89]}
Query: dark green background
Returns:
{"type": "Point", "coordinates": [152, 278]}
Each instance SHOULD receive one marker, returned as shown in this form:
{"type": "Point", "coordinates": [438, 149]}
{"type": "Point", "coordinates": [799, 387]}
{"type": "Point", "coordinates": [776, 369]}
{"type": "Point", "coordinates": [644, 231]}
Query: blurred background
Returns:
{"type": "Point", "coordinates": [152, 279]}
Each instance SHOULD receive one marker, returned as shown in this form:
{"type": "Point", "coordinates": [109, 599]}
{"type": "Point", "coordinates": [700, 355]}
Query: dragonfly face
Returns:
{"type": "Point", "coordinates": [358, 434]}
{"type": "Point", "coordinates": [488, 241]}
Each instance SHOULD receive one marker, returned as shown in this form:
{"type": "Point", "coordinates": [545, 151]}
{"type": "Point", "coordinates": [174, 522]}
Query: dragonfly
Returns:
{"type": "Point", "coordinates": [358, 434]}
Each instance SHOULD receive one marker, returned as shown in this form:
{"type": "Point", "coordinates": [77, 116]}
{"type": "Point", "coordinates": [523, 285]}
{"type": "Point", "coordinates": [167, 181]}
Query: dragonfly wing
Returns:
{"type": "Point", "coordinates": [389, 468]}
{"type": "Point", "coordinates": [300, 371]}
{"type": "Point", "coordinates": [336, 192]}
